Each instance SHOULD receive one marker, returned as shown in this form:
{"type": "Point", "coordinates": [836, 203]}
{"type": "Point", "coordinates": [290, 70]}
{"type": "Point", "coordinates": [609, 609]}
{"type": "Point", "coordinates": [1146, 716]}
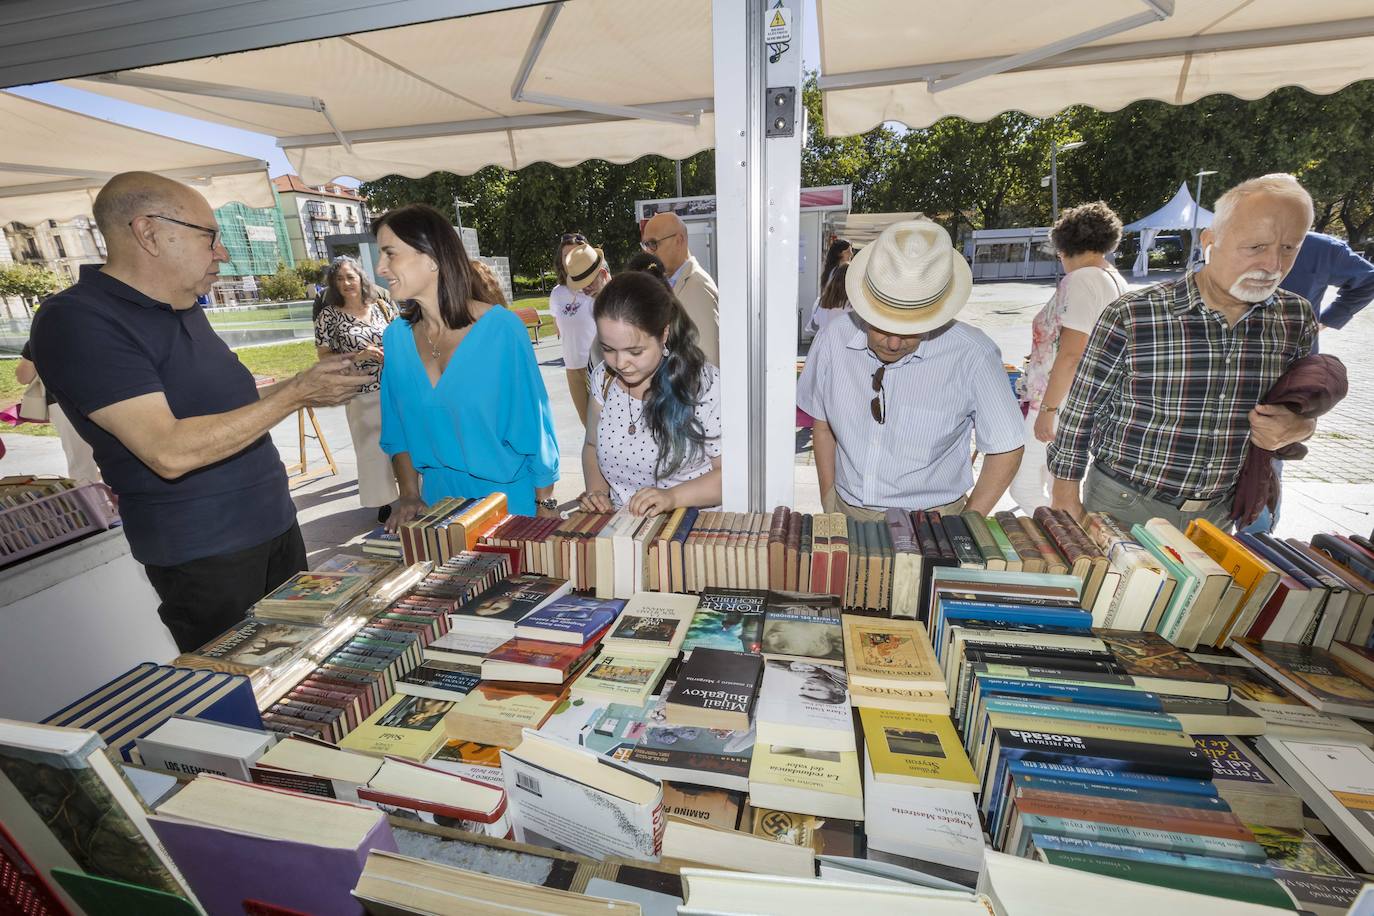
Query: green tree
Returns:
{"type": "Point", "coordinates": [864, 161]}
{"type": "Point", "coordinates": [309, 272]}
{"type": "Point", "coordinates": [30, 282]}
{"type": "Point", "coordinates": [283, 285]}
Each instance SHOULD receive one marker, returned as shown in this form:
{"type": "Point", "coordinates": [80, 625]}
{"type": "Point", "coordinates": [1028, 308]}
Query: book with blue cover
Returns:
{"type": "Point", "coordinates": [1156, 856]}
{"type": "Point", "coordinates": [1023, 781]}
{"type": "Point", "coordinates": [1104, 775]}
{"type": "Point", "coordinates": [728, 618]}
{"type": "Point", "coordinates": [572, 619]}
{"type": "Point", "coordinates": [1065, 692]}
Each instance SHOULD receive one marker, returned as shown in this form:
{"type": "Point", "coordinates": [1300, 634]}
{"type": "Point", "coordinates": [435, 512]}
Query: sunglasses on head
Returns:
{"type": "Point", "coordinates": [878, 406]}
{"type": "Point", "coordinates": [570, 238]}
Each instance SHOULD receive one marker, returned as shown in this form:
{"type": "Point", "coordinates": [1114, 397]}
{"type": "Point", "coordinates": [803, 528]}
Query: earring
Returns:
{"type": "Point", "coordinates": [666, 351]}
{"type": "Point", "coordinates": [433, 268]}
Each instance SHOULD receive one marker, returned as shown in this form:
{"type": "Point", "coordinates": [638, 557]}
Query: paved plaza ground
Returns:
{"type": "Point", "coordinates": [1331, 490]}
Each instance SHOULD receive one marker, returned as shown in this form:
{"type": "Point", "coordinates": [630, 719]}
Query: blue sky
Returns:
{"type": "Point", "coordinates": [245, 142]}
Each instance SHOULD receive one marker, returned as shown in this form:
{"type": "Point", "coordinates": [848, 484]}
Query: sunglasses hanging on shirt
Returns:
{"type": "Point", "coordinates": [878, 406]}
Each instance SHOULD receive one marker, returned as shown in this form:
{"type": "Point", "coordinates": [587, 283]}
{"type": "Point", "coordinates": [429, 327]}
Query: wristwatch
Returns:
{"type": "Point", "coordinates": [549, 503]}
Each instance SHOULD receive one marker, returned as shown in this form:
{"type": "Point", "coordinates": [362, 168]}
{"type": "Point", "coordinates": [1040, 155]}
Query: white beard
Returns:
{"type": "Point", "coordinates": [1246, 292]}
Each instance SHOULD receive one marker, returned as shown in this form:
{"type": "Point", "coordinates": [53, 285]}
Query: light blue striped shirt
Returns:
{"type": "Point", "coordinates": [953, 383]}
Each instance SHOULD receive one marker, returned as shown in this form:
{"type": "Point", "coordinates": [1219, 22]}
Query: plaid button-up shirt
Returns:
{"type": "Point", "coordinates": [1163, 393]}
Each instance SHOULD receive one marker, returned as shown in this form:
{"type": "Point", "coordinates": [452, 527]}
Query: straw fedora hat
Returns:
{"type": "Point", "coordinates": [909, 281]}
{"type": "Point", "coordinates": [582, 264]}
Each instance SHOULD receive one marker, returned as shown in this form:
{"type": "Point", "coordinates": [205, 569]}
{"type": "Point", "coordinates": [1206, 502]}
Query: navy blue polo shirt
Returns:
{"type": "Point", "coordinates": [100, 342]}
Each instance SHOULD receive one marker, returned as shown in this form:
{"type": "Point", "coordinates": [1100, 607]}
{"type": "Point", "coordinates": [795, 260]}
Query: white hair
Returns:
{"type": "Point", "coordinates": [1278, 184]}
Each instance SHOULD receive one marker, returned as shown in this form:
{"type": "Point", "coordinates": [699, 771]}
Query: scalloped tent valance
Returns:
{"type": "Point", "coordinates": [887, 60]}
{"type": "Point", "coordinates": [561, 83]}
{"type": "Point", "coordinates": [53, 161]}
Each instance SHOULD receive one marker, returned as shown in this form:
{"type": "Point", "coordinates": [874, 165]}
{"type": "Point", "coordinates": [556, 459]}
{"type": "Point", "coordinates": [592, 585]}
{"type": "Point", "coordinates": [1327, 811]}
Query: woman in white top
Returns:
{"type": "Point", "coordinates": [1084, 237]}
{"type": "Point", "coordinates": [653, 428]}
{"type": "Point", "coordinates": [572, 313]}
{"type": "Point", "coordinates": [833, 302]}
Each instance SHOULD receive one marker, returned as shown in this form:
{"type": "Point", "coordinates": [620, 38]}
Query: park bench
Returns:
{"type": "Point", "coordinates": [531, 319]}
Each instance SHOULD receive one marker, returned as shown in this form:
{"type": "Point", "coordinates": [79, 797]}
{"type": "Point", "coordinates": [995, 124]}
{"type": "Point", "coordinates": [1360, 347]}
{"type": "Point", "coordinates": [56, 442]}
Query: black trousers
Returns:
{"type": "Point", "coordinates": [203, 598]}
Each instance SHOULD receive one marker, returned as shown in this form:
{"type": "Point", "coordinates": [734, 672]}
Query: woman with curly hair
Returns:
{"type": "Point", "coordinates": [1083, 238]}
{"type": "Point", "coordinates": [653, 428]}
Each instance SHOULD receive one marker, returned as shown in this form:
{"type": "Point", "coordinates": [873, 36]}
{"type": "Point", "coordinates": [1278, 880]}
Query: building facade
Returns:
{"type": "Point", "coordinates": [256, 240]}
{"type": "Point", "coordinates": [313, 213]}
{"type": "Point", "coordinates": [59, 245]}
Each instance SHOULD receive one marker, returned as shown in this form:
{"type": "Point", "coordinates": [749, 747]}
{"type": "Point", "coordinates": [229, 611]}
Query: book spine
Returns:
{"type": "Point", "coordinates": [964, 546]}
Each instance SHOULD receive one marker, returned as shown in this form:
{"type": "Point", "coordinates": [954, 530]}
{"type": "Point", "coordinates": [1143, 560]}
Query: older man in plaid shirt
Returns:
{"type": "Point", "coordinates": [1166, 398]}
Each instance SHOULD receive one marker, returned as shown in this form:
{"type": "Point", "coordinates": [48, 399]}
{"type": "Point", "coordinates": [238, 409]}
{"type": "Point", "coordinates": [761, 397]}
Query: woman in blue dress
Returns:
{"type": "Point", "coordinates": [464, 409]}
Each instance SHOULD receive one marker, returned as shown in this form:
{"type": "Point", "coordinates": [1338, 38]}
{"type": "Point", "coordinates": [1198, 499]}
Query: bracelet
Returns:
{"type": "Point", "coordinates": [1049, 410]}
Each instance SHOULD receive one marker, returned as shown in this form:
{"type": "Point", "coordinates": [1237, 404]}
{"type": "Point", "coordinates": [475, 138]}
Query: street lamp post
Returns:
{"type": "Point", "coordinates": [1193, 252]}
{"type": "Point", "coordinates": [1054, 188]}
{"type": "Point", "coordinates": [458, 206]}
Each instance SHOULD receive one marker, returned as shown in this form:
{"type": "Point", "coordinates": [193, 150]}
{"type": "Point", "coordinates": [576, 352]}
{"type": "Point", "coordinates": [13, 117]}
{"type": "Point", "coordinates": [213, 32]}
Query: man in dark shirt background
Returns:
{"type": "Point", "coordinates": [1326, 261]}
{"type": "Point", "coordinates": [175, 420]}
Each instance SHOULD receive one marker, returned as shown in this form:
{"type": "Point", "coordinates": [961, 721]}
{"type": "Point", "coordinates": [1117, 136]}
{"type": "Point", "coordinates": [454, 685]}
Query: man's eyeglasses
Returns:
{"type": "Point", "coordinates": [878, 406]}
{"type": "Point", "coordinates": [574, 238]}
{"type": "Point", "coordinates": [213, 233]}
{"type": "Point", "coordinates": [651, 245]}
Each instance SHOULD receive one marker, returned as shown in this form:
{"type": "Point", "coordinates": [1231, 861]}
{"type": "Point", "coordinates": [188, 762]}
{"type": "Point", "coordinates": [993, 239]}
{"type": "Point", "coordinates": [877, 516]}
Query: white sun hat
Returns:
{"type": "Point", "coordinates": [910, 280]}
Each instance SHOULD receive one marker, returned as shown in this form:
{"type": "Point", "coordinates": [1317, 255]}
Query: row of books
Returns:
{"type": "Point", "coordinates": [1117, 753]}
{"type": "Point", "coordinates": [1199, 587]}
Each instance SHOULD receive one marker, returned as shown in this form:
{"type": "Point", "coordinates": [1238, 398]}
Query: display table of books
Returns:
{"type": "Point", "coordinates": [676, 716]}
{"type": "Point", "coordinates": [71, 619]}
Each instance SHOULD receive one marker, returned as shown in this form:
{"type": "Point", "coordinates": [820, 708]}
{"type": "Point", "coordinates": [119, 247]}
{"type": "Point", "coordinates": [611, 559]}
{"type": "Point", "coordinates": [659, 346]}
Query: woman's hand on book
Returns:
{"type": "Point", "coordinates": [402, 511]}
{"type": "Point", "coordinates": [652, 501]}
{"type": "Point", "coordinates": [596, 501]}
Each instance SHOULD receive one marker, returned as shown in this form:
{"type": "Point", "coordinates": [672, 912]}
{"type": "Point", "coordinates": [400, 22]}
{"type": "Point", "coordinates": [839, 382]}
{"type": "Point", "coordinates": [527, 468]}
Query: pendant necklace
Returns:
{"type": "Point", "coordinates": [433, 350]}
{"type": "Point", "coordinates": [634, 423]}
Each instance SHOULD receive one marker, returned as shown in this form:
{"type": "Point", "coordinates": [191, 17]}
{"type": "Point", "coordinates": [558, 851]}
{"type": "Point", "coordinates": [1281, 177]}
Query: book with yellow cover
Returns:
{"type": "Point", "coordinates": [494, 713]}
{"type": "Point", "coordinates": [915, 749]}
{"type": "Point", "coordinates": [404, 726]}
{"type": "Point", "coordinates": [823, 783]}
{"type": "Point", "coordinates": [881, 652]}
{"type": "Point", "coordinates": [1253, 575]}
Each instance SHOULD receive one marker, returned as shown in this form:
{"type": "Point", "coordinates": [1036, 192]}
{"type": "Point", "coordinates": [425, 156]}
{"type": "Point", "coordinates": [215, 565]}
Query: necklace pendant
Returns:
{"type": "Point", "coordinates": [633, 429]}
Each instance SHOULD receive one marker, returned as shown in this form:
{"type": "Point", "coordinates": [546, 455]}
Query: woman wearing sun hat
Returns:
{"type": "Point", "coordinates": [897, 393]}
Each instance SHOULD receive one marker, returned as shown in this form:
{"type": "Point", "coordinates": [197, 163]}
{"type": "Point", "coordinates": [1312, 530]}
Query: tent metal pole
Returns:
{"type": "Point", "coordinates": [758, 186]}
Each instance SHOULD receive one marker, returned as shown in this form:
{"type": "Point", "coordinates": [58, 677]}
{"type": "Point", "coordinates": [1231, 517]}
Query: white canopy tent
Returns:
{"type": "Point", "coordinates": [616, 79]}
{"type": "Point", "coordinates": [1178, 213]}
{"type": "Point", "coordinates": [53, 161]}
{"type": "Point", "coordinates": [559, 83]}
{"type": "Point", "coordinates": [883, 60]}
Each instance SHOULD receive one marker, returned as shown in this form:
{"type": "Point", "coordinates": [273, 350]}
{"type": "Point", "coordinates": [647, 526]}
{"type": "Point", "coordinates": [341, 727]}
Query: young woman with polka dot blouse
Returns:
{"type": "Point", "coordinates": [653, 427]}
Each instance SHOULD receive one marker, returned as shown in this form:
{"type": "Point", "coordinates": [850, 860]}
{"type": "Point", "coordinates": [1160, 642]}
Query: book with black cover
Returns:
{"type": "Point", "coordinates": [715, 689]}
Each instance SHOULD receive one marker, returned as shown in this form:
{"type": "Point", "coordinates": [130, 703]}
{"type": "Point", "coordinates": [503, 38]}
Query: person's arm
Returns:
{"type": "Point", "coordinates": [823, 446]}
{"type": "Point", "coordinates": [596, 493]}
{"type": "Point", "coordinates": [1099, 373]}
{"type": "Point", "coordinates": [700, 492]}
{"type": "Point", "coordinates": [173, 447]}
{"type": "Point", "coordinates": [408, 504]}
{"type": "Point", "coordinates": [1355, 276]}
{"type": "Point", "coordinates": [1071, 346]}
{"type": "Point", "coordinates": [25, 371]}
{"type": "Point", "coordinates": [323, 352]}
{"type": "Point", "coordinates": [998, 471]}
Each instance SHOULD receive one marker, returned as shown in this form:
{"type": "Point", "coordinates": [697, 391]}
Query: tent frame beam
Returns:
{"type": "Point", "coordinates": [537, 42]}
{"type": "Point", "coordinates": [93, 180]}
{"type": "Point", "coordinates": [1113, 53]}
{"type": "Point", "coordinates": [1157, 11]}
{"type": "Point", "coordinates": [484, 125]}
{"type": "Point", "coordinates": [216, 90]}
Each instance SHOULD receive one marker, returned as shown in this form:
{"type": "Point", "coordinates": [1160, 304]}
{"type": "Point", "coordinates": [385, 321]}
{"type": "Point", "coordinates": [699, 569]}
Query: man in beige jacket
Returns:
{"type": "Point", "coordinates": [665, 235]}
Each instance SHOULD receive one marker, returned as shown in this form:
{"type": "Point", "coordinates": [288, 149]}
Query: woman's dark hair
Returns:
{"type": "Point", "coordinates": [834, 296]}
{"type": "Point", "coordinates": [646, 302]}
{"type": "Point", "coordinates": [566, 239]}
{"type": "Point", "coordinates": [1091, 227]}
{"type": "Point", "coordinates": [832, 258]}
{"type": "Point", "coordinates": [646, 263]}
{"type": "Point", "coordinates": [428, 231]}
{"type": "Point", "coordinates": [331, 295]}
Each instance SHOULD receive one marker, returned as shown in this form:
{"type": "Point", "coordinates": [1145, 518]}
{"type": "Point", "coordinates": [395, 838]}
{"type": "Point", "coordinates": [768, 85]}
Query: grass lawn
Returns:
{"type": "Point", "coordinates": [279, 313]}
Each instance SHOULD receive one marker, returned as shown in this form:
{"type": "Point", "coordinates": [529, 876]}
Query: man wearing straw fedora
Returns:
{"type": "Point", "coordinates": [897, 389]}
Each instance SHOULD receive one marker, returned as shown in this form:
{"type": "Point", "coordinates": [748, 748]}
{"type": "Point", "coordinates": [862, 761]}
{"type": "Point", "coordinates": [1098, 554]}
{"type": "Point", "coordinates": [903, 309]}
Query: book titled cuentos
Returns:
{"type": "Point", "coordinates": [715, 689]}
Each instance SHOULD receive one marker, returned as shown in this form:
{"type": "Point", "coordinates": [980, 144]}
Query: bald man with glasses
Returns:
{"type": "Point", "coordinates": [665, 234]}
{"type": "Point", "coordinates": [175, 421]}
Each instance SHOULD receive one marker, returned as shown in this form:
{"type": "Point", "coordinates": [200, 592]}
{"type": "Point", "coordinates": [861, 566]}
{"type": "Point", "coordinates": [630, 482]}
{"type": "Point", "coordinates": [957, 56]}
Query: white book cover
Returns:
{"type": "Point", "coordinates": [805, 704]}
{"type": "Point", "coordinates": [1335, 780]}
{"type": "Point", "coordinates": [478, 644]}
{"type": "Point", "coordinates": [191, 746]}
{"type": "Point", "coordinates": [937, 825]}
{"type": "Point", "coordinates": [563, 809]}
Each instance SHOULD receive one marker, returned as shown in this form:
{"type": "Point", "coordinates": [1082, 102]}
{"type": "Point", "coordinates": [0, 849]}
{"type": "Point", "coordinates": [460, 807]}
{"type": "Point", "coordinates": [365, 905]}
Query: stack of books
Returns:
{"type": "Point", "coordinates": [450, 526]}
{"type": "Point", "coordinates": [312, 597]}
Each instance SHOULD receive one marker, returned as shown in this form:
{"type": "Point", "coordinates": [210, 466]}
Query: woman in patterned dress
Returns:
{"type": "Point", "coordinates": [653, 427]}
{"type": "Point", "coordinates": [350, 318]}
